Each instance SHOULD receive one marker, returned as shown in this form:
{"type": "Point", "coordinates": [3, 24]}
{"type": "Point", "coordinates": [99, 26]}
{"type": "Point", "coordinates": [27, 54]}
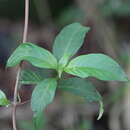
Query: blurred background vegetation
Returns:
{"type": "Point", "coordinates": [110, 34]}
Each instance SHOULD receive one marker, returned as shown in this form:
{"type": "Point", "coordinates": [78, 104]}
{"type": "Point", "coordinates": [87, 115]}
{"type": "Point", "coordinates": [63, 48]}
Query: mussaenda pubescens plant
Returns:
{"type": "Point", "coordinates": [66, 45]}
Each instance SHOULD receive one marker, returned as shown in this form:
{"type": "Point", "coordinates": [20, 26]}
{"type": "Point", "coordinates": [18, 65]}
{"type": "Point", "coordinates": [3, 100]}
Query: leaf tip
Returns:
{"type": "Point", "coordinates": [101, 110]}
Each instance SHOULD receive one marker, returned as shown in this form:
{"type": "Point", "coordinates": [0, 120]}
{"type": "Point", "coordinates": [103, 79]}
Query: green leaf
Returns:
{"type": "Point", "coordinates": [3, 100]}
{"type": "Point", "coordinates": [80, 87]}
{"type": "Point", "coordinates": [69, 41]}
{"type": "Point", "coordinates": [39, 121]}
{"type": "Point", "coordinates": [43, 94]}
{"type": "Point", "coordinates": [30, 77]}
{"type": "Point", "coordinates": [83, 88]}
{"type": "Point", "coordinates": [37, 56]}
{"type": "Point", "coordinates": [96, 65]}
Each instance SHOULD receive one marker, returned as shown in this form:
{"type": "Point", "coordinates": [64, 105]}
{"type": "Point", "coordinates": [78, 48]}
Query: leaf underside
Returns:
{"type": "Point", "coordinates": [82, 88]}
{"type": "Point", "coordinates": [29, 77]}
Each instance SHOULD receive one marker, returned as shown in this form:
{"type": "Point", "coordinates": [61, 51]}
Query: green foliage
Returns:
{"type": "Point", "coordinates": [33, 124]}
{"type": "Point", "coordinates": [34, 76]}
{"type": "Point", "coordinates": [39, 121]}
{"type": "Point", "coordinates": [43, 94]}
{"type": "Point", "coordinates": [65, 46]}
{"type": "Point", "coordinates": [80, 87]}
{"type": "Point", "coordinates": [37, 56]}
{"type": "Point", "coordinates": [3, 100]}
{"type": "Point", "coordinates": [30, 77]}
{"type": "Point", "coordinates": [69, 40]}
{"type": "Point", "coordinates": [83, 88]}
{"type": "Point", "coordinates": [96, 65]}
{"type": "Point", "coordinates": [67, 43]}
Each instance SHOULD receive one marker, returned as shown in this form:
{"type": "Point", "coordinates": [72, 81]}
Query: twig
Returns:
{"type": "Point", "coordinates": [22, 103]}
{"type": "Point", "coordinates": [20, 66]}
{"type": "Point", "coordinates": [26, 21]}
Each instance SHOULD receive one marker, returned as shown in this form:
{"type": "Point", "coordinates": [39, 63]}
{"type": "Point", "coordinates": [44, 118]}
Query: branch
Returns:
{"type": "Point", "coordinates": [20, 66]}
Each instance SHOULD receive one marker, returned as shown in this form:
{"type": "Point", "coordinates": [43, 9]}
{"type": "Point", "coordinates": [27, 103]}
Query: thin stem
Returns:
{"type": "Point", "coordinates": [20, 66]}
{"type": "Point", "coordinates": [15, 99]}
{"type": "Point", "coordinates": [26, 21]}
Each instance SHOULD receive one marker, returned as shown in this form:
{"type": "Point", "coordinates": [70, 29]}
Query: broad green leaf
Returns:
{"type": "Point", "coordinates": [30, 77]}
{"type": "Point", "coordinates": [39, 121]}
{"type": "Point", "coordinates": [83, 88]}
{"type": "Point", "coordinates": [37, 56]}
{"type": "Point", "coordinates": [69, 41]}
{"type": "Point", "coordinates": [3, 100]}
{"type": "Point", "coordinates": [43, 94]}
{"type": "Point", "coordinates": [96, 65]}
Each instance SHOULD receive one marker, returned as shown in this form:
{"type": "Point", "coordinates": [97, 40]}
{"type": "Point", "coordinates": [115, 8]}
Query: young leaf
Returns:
{"type": "Point", "coordinates": [96, 65]}
{"type": "Point", "coordinates": [37, 56]}
{"type": "Point", "coordinates": [43, 94]}
{"type": "Point", "coordinates": [30, 77]}
{"type": "Point", "coordinates": [3, 100]}
{"type": "Point", "coordinates": [83, 88]}
{"type": "Point", "coordinates": [69, 41]}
